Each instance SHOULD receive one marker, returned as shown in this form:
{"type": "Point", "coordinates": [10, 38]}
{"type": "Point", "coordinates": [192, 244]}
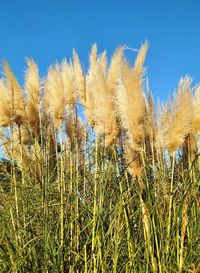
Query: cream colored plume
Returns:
{"type": "Point", "coordinates": [15, 94]}
{"type": "Point", "coordinates": [114, 71]}
{"type": "Point", "coordinates": [196, 107]}
{"type": "Point", "coordinates": [131, 100]}
{"type": "Point", "coordinates": [89, 108]}
{"type": "Point", "coordinates": [79, 79]}
{"type": "Point", "coordinates": [67, 75]}
{"type": "Point", "coordinates": [151, 117]}
{"type": "Point", "coordinates": [54, 96]}
{"type": "Point", "coordinates": [32, 82]}
{"type": "Point", "coordinates": [178, 123]}
{"type": "Point", "coordinates": [102, 60]}
{"type": "Point", "coordinates": [32, 89]}
{"type": "Point", "coordinates": [101, 87]}
{"type": "Point", "coordinates": [5, 109]}
{"type": "Point", "coordinates": [151, 127]}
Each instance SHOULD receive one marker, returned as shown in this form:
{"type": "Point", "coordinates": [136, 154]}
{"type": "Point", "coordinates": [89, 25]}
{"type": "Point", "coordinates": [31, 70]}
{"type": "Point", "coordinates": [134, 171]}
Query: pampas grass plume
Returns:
{"type": "Point", "coordinates": [5, 111]}
{"type": "Point", "coordinates": [32, 88]}
{"type": "Point", "coordinates": [67, 75]}
{"type": "Point", "coordinates": [16, 96]}
{"type": "Point", "coordinates": [131, 100]}
{"type": "Point", "coordinates": [79, 78]}
{"type": "Point", "coordinates": [177, 125]}
{"type": "Point", "coordinates": [54, 97]}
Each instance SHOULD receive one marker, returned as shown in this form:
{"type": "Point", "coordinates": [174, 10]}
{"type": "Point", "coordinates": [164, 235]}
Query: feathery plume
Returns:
{"type": "Point", "coordinates": [102, 86]}
{"type": "Point", "coordinates": [114, 71]}
{"type": "Point", "coordinates": [131, 106]}
{"type": "Point", "coordinates": [32, 81]}
{"type": "Point", "coordinates": [54, 97]}
{"type": "Point", "coordinates": [67, 75]}
{"type": "Point", "coordinates": [79, 78]}
{"type": "Point", "coordinates": [131, 100]}
{"type": "Point", "coordinates": [177, 125]}
{"type": "Point", "coordinates": [151, 116]}
{"type": "Point", "coordinates": [32, 88]}
{"type": "Point", "coordinates": [102, 60]}
{"type": "Point", "coordinates": [16, 95]}
{"type": "Point", "coordinates": [196, 107]}
{"type": "Point", "coordinates": [90, 104]}
{"type": "Point", "coordinates": [5, 109]}
{"type": "Point", "coordinates": [150, 126]}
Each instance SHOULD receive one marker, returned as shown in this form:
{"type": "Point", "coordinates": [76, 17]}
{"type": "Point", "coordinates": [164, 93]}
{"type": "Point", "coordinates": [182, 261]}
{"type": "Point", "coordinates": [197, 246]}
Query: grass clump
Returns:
{"type": "Point", "coordinates": [113, 190]}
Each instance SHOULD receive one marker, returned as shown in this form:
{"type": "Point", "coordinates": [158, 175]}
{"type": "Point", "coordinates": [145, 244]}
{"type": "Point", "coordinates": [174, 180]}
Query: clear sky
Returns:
{"type": "Point", "coordinates": [47, 30]}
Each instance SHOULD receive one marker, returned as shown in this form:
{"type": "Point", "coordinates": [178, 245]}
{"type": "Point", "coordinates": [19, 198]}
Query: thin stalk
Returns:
{"type": "Point", "coordinates": [22, 174]}
{"type": "Point", "coordinates": [184, 224]}
{"type": "Point", "coordinates": [77, 204]}
{"type": "Point", "coordinates": [84, 169]}
{"type": "Point", "coordinates": [15, 187]}
{"type": "Point", "coordinates": [170, 205]}
{"type": "Point", "coordinates": [95, 208]}
{"type": "Point", "coordinates": [61, 201]}
{"type": "Point", "coordinates": [157, 246]}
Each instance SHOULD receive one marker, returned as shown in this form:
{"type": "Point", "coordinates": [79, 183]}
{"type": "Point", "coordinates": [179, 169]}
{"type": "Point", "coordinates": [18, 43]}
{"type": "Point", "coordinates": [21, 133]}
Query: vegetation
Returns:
{"type": "Point", "coordinates": [94, 178]}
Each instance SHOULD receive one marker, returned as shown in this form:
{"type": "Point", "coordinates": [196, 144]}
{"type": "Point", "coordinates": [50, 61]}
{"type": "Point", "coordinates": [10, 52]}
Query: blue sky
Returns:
{"type": "Point", "coordinates": [48, 30]}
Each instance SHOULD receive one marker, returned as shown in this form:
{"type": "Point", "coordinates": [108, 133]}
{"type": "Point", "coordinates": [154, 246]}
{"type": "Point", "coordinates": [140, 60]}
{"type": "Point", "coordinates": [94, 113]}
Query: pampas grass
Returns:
{"type": "Point", "coordinates": [112, 189]}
